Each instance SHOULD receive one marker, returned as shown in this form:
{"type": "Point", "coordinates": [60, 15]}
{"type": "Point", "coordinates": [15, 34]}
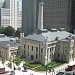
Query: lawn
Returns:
{"type": "Point", "coordinates": [31, 65]}
{"type": "Point", "coordinates": [51, 65]}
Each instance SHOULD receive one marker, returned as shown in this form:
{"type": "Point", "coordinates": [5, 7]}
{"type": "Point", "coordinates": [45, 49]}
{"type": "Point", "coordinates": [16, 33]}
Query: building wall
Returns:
{"type": "Point", "coordinates": [65, 50]}
{"type": "Point", "coordinates": [4, 52]}
{"type": "Point", "coordinates": [8, 52]}
{"type": "Point", "coordinates": [29, 16]}
{"type": "Point", "coordinates": [13, 5]}
{"type": "Point", "coordinates": [5, 17]}
{"type": "Point", "coordinates": [19, 19]}
{"type": "Point", "coordinates": [62, 50]}
{"type": "Point", "coordinates": [1, 3]}
{"type": "Point", "coordinates": [56, 14]}
{"type": "Point", "coordinates": [34, 51]}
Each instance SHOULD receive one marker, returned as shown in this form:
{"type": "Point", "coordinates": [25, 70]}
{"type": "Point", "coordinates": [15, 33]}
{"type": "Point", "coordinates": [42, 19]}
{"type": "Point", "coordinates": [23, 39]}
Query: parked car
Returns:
{"type": "Point", "coordinates": [60, 73]}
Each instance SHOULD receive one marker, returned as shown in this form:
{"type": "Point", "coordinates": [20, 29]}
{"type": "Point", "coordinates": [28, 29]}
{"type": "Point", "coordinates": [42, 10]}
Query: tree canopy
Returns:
{"type": "Point", "coordinates": [3, 60]}
{"type": "Point", "coordinates": [17, 33]}
{"type": "Point", "coordinates": [17, 61]}
{"type": "Point", "coordinates": [9, 31]}
{"type": "Point", "coordinates": [1, 29]}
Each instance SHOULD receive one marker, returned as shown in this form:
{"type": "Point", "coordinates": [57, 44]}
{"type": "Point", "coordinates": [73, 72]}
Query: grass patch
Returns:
{"type": "Point", "coordinates": [51, 65]}
{"type": "Point", "coordinates": [32, 65]}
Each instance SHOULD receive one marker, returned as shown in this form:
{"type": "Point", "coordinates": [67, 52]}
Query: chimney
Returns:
{"type": "Point", "coordinates": [40, 16]}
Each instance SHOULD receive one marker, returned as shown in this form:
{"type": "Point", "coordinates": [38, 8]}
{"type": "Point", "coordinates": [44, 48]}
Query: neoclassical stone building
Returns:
{"type": "Point", "coordinates": [8, 49]}
{"type": "Point", "coordinates": [45, 46]}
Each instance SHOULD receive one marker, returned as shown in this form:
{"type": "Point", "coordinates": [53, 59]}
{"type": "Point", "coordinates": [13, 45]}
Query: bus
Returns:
{"type": "Point", "coordinates": [2, 70]}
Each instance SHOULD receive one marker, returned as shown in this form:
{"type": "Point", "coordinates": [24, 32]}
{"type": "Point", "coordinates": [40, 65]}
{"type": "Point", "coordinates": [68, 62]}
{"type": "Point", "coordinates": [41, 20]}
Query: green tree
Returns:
{"type": "Point", "coordinates": [17, 61]}
{"type": "Point", "coordinates": [9, 31]}
{"type": "Point", "coordinates": [17, 33]}
{"type": "Point", "coordinates": [3, 60]}
{"type": "Point", "coordinates": [1, 29]}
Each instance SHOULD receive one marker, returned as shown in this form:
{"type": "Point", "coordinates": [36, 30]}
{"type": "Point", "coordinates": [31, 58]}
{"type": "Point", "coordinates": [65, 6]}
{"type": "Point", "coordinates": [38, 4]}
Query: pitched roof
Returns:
{"type": "Point", "coordinates": [6, 43]}
{"type": "Point", "coordinates": [50, 36]}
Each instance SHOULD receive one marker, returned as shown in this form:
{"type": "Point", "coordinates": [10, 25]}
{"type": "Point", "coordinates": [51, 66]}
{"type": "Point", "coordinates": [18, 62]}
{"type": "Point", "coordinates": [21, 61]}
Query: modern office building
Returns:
{"type": "Point", "coordinates": [13, 5]}
{"type": "Point", "coordinates": [29, 15]}
{"type": "Point", "coordinates": [19, 20]}
{"type": "Point", "coordinates": [45, 46]}
{"type": "Point", "coordinates": [56, 14]}
{"type": "Point", "coordinates": [4, 17]}
{"type": "Point", "coordinates": [1, 3]}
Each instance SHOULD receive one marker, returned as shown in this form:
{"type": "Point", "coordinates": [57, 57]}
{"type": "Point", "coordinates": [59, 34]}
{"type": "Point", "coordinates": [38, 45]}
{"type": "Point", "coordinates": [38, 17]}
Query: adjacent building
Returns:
{"type": "Point", "coordinates": [56, 14]}
{"type": "Point", "coordinates": [13, 5]}
{"type": "Point", "coordinates": [19, 26]}
{"type": "Point", "coordinates": [29, 16]}
{"type": "Point", "coordinates": [45, 46]}
{"type": "Point", "coordinates": [4, 17]}
{"type": "Point", "coordinates": [1, 3]}
{"type": "Point", "coordinates": [8, 47]}
{"type": "Point", "coordinates": [10, 14]}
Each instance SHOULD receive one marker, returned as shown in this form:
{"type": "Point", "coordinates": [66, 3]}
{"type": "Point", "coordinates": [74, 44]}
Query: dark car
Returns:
{"type": "Point", "coordinates": [60, 73]}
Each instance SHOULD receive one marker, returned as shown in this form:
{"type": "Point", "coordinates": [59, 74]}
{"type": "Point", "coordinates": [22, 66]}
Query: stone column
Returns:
{"type": "Point", "coordinates": [40, 16]}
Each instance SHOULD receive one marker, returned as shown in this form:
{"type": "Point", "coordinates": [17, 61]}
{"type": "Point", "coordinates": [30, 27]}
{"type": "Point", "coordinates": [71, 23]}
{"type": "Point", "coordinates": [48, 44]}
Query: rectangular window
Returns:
{"type": "Point", "coordinates": [41, 50]}
{"type": "Point", "coordinates": [36, 56]}
{"type": "Point", "coordinates": [36, 49]}
{"type": "Point", "coordinates": [28, 47]}
{"type": "Point", "coordinates": [28, 53]}
{"type": "Point", "coordinates": [32, 48]}
{"type": "Point", "coordinates": [41, 57]}
{"type": "Point", "coordinates": [50, 49]}
{"type": "Point", "coordinates": [58, 47]}
{"type": "Point", "coordinates": [24, 45]}
{"type": "Point", "coordinates": [24, 52]}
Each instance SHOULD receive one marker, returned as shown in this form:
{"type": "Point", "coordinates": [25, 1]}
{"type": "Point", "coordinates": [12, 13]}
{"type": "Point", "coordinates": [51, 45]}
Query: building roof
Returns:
{"type": "Point", "coordinates": [6, 43]}
{"type": "Point", "coordinates": [51, 36]}
{"type": "Point", "coordinates": [4, 38]}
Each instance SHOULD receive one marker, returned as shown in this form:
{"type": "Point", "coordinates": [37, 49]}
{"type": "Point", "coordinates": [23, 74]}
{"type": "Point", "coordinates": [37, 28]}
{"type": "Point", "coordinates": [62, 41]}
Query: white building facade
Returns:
{"type": "Point", "coordinates": [47, 46]}
{"type": "Point", "coordinates": [4, 17]}
{"type": "Point", "coordinates": [13, 5]}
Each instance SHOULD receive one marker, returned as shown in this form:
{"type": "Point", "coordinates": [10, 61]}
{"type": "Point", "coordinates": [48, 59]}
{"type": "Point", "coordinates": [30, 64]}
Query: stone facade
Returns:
{"type": "Point", "coordinates": [46, 51]}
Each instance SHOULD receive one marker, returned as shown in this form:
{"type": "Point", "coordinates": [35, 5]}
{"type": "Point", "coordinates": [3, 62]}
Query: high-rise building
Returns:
{"type": "Point", "coordinates": [29, 15]}
{"type": "Point", "coordinates": [19, 20]}
{"type": "Point", "coordinates": [4, 17]}
{"type": "Point", "coordinates": [56, 14]}
{"type": "Point", "coordinates": [13, 5]}
{"type": "Point", "coordinates": [1, 3]}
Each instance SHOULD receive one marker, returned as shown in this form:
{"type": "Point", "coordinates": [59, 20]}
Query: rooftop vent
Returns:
{"type": "Point", "coordinates": [56, 38]}
{"type": "Point", "coordinates": [53, 30]}
{"type": "Point", "coordinates": [67, 38]}
{"type": "Point", "coordinates": [42, 31]}
{"type": "Point", "coordinates": [61, 29]}
{"type": "Point", "coordinates": [69, 35]}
